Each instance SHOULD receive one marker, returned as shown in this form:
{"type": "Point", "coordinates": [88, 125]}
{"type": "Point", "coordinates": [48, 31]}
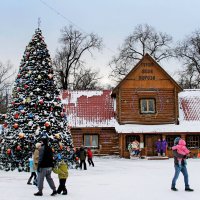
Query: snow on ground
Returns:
{"type": "Point", "coordinates": [110, 179]}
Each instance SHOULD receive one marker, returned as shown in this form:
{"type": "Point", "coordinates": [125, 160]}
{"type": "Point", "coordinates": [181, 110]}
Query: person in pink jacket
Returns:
{"type": "Point", "coordinates": [181, 149]}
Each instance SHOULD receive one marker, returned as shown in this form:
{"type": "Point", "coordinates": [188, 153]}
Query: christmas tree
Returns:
{"type": "Point", "coordinates": [35, 110]}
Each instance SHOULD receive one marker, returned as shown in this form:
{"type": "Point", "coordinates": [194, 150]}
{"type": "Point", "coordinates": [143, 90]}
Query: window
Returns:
{"type": "Point", "coordinates": [147, 106]}
{"type": "Point", "coordinates": [170, 140]}
{"type": "Point", "coordinates": [91, 141]}
{"type": "Point", "coordinates": [193, 141]}
{"type": "Point", "coordinates": [131, 138]}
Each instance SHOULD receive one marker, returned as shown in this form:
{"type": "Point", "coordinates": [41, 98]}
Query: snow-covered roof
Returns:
{"type": "Point", "coordinates": [96, 109]}
{"type": "Point", "coordinates": [89, 108]}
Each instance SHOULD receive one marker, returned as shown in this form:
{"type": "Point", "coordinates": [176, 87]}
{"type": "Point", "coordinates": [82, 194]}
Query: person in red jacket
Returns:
{"type": "Point", "coordinates": [89, 154]}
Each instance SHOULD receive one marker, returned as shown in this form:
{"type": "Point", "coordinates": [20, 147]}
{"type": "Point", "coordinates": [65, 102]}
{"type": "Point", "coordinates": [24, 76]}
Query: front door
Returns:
{"type": "Point", "coordinates": [150, 141]}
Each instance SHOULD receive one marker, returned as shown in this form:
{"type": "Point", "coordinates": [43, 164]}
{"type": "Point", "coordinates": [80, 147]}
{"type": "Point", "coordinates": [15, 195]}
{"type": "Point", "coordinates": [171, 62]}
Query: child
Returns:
{"type": "Point", "coordinates": [89, 154]}
{"type": "Point", "coordinates": [33, 173]}
{"type": "Point", "coordinates": [62, 170]}
{"type": "Point", "coordinates": [181, 149]}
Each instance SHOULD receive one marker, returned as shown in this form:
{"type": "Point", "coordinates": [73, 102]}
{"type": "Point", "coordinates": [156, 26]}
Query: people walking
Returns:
{"type": "Point", "coordinates": [90, 156]}
{"type": "Point", "coordinates": [62, 170]}
{"type": "Point", "coordinates": [36, 158]}
{"type": "Point", "coordinates": [180, 168]}
{"type": "Point", "coordinates": [45, 165]}
{"type": "Point", "coordinates": [33, 172]}
{"type": "Point", "coordinates": [82, 154]}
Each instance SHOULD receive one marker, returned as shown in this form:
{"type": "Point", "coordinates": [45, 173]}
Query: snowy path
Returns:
{"type": "Point", "coordinates": [110, 179]}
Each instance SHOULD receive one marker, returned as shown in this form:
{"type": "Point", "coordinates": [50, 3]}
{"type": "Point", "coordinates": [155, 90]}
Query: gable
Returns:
{"type": "Point", "coordinates": [147, 74]}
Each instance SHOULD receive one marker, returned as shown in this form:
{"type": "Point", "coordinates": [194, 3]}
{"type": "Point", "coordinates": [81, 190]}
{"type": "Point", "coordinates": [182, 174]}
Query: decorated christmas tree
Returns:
{"type": "Point", "coordinates": [35, 110]}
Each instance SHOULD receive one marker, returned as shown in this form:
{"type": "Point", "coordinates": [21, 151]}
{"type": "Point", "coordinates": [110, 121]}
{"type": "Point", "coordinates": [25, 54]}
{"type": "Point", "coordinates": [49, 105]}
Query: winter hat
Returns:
{"type": "Point", "coordinates": [176, 140]}
{"type": "Point", "coordinates": [182, 142]}
{"type": "Point", "coordinates": [37, 145]}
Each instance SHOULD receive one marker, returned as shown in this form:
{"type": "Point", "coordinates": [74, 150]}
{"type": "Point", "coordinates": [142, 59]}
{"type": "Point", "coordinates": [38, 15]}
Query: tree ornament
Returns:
{"type": "Point", "coordinates": [15, 125]}
{"type": "Point", "coordinates": [8, 151]}
{"type": "Point", "coordinates": [57, 136]}
{"type": "Point", "coordinates": [30, 123]}
{"type": "Point", "coordinates": [47, 124]}
{"type": "Point", "coordinates": [61, 146]}
{"type": "Point", "coordinates": [5, 125]}
{"type": "Point", "coordinates": [48, 95]}
{"type": "Point", "coordinates": [26, 86]}
{"type": "Point", "coordinates": [21, 135]}
{"type": "Point", "coordinates": [23, 112]}
{"type": "Point", "coordinates": [41, 101]}
{"type": "Point", "coordinates": [50, 76]}
{"type": "Point", "coordinates": [16, 115]}
{"type": "Point", "coordinates": [18, 148]}
{"type": "Point", "coordinates": [39, 77]}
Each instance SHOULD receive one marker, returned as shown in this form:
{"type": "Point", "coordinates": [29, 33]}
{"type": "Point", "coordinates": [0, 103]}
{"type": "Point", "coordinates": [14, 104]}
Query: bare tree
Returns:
{"type": "Point", "coordinates": [188, 51]}
{"type": "Point", "coordinates": [189, 78]}
{"type": "Point", "coordinates": [144, 39]}
{"type": "Point", "coordinates": [6, 72]}
{"type": "Point", "coordinates": [75, 45]}
{"type": "Point", "coordinates": [87, 79]}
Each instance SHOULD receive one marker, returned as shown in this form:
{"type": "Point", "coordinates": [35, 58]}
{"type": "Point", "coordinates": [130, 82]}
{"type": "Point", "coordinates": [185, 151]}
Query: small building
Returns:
{"type": "Point", "coordinates": [146, 105]}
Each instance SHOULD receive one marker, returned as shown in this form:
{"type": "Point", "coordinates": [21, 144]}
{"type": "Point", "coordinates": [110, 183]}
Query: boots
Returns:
{"type": "Point", "coordinates": [29, 181]}
{"type": "Point", "coordinates": [54, 193]}
{"type": "Point", "coordinates": [64, 192]}
{"type": "Point", "coordinates": [189, 190]}
{"type": "Point", "coordinates": [38, 193]}
{"type": "Point", "coordinates": [174, 189]}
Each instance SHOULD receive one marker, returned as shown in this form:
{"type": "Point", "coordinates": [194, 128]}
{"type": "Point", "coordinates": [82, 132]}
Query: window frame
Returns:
{"type": "Point", "coordinates": [147, 104]}
{"type": "Point", "coordinates": [190, 139]}
{"type": "Point", "coordinates": [90, 138]}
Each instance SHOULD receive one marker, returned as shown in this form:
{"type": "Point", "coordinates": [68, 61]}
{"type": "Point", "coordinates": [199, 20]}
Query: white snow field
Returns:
{"type": "Point", "coordinates": [112, 178]}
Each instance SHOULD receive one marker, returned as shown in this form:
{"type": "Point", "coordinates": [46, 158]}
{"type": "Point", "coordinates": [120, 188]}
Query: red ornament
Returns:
{"type": "Point", "coordinates": [8, 151]}
{"type": "Point", "coordinates": [5, 125]}
{"type": "Point", "coordinates": [18, 148]}
{"type": "Point", "coordinates": [47, 124]}
{"type": "Point", "coordinates": [77, 158]}
{"type": "Point", "coordinates": [41, 101]}
{"type": "Point", "coordinates": [16, 115]}
{"type": "Point", "coordinates": [58, 98]}
{"type": "Point", "coordinates": [18, 75]}
{"type": "Point", "coordinates": [15, 125]}
{"type": "Point", "coordinates": [26, 86]}
{"type": "Point", "coordinates": [23, 112]}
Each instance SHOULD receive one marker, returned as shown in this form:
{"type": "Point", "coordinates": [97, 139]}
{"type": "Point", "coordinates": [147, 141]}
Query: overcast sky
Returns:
{"type": "Point", "coordinates": [113, 20]}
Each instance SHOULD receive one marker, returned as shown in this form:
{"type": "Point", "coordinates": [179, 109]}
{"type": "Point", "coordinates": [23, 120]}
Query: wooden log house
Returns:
{"type": "Point", "coordinates": [146, 105]}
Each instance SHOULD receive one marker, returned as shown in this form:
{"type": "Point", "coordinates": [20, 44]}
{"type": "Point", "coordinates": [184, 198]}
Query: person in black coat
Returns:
{"type": "Point", "coordinates": [45, 165]}
{"type": "Point", "coordinates": [82, 156]}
